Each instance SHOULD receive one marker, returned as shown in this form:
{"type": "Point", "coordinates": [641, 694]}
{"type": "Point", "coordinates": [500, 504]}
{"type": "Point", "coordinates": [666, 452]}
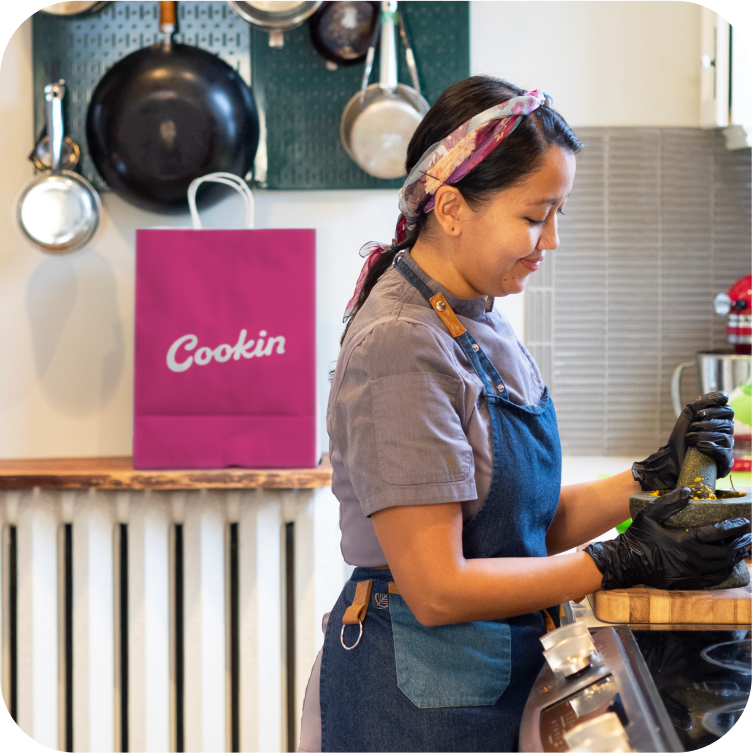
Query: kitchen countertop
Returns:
{"type": "Point", "coordinates": [118, 473]}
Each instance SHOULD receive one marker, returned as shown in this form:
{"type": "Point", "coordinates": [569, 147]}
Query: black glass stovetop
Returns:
{"type": "Point", "coordinates": [702, 676]}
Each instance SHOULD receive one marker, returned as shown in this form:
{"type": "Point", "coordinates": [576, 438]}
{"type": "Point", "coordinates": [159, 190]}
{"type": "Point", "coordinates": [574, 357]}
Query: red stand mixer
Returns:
{"type": "Point", "coordinates": [730, 371]}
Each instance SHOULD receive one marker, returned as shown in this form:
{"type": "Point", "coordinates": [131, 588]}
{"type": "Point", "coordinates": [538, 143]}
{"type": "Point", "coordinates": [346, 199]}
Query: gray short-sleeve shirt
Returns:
{"type": "Point", "coordinates": [405, 422]}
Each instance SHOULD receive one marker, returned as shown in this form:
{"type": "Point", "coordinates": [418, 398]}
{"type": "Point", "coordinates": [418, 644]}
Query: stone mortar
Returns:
{"type": "Point", "coordinates": [705, 512]}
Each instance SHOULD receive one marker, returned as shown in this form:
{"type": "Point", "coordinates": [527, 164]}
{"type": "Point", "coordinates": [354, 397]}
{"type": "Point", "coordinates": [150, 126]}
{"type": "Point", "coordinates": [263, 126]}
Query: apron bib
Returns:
{"type": "Point", "coordinates": [389, 683]}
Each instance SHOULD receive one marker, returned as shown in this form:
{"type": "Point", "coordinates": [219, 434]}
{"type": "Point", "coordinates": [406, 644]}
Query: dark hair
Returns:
{"type": "Point", "coordinates": [518, 155]}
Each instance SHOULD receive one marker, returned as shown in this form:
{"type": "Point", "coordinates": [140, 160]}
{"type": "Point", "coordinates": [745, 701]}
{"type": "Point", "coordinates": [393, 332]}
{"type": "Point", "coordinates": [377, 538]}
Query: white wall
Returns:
{"type": "Point", "coordinates": [66, 324]}
{"type": "Point", "coordinates": [604, 63]}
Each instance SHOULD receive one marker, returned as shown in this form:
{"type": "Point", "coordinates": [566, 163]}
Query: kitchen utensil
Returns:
{"type": "Point", "coordinates": [167, 114]}
{"type": "Point", "coordinates": [341, 32]}
{"type": "Point", "coordinates": [728, 606]}
{"type": "Point", "coordinates": [379, 121]}
{"type": "Point", "coordinates": [731, 372]}
{"type": "Point", "coordinates": [706, 506]}
{"type": "Point", "coordinates": [73, 8]}
{"type": "Point", "coordinates": [58, 211]}
{"type": "Point", "coordinates": [274, 16]}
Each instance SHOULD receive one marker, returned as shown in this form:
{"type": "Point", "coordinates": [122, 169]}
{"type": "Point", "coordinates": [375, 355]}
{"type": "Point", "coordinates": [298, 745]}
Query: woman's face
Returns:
{"type": "Point", "coordinates": [497, 247]}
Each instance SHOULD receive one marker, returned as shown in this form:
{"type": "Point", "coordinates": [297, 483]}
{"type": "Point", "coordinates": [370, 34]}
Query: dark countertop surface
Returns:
{"type": "Point", "coordinates": [702, 698]}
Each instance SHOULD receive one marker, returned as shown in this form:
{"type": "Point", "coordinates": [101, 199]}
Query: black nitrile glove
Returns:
{"type": "Point", "coordinates": [652, 554]}
{"type": "Point", "coordinates": [706, 423]}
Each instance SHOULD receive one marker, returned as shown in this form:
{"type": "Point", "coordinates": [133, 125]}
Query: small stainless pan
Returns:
{"type": "Point", "coordinates": [380, 119]}
{"type": "Point", "coordinates": [73, 8]}
{"type": "Point", "coordinates": [274, 16]}
{"type": "Point", "coordinates": [58, 211]}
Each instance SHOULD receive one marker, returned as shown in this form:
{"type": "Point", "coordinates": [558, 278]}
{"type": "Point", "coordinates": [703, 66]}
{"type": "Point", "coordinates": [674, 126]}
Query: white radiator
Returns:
{"type": "Point", "coordinates": [93, 632]}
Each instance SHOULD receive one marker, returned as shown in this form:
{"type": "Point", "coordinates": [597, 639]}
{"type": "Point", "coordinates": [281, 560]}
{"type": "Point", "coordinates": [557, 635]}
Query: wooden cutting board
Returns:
{"type": "Point", "coordinates": [728, 606]}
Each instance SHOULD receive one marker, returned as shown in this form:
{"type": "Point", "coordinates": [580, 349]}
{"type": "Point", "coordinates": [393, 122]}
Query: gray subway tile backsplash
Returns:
{"type": "Point", "coordinates": [659, 222]}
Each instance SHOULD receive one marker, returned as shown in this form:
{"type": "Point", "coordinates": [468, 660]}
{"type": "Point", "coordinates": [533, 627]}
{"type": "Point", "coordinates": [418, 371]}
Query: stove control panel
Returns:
{"type": "Point", "coordinates": [597, 695]}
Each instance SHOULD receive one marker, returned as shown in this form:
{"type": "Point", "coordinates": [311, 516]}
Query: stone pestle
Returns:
{"type": "Point", "coordinates": [706, 506]}
{"type": "Point", "coordinates": [699, 473]}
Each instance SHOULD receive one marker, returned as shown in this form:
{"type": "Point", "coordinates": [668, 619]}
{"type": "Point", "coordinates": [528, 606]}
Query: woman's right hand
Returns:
{"type": "Point", "coordinates": [652, 554]}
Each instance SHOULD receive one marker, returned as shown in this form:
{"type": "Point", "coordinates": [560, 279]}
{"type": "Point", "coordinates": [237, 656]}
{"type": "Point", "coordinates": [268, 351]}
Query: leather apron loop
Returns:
{"type": "Point", "coordinates": [356, 612]}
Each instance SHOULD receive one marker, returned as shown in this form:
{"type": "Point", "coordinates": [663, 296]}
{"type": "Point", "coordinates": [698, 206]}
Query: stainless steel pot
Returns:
{"type": "Point", "coordinates": [716, 370]}
{"type": "Point", "coordinates": [58, 211]}
{"type": "Point", "coordinates": [379, 121]}
{"type": "Point", "coordinates": [275, 16]}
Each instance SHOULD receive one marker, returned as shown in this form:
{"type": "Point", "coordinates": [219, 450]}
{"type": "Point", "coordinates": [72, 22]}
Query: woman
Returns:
{"type": "Point", "coordinates": [446, 453]}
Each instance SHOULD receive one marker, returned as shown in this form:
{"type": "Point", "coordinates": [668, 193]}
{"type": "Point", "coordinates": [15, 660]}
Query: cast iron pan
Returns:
{"type": "Point", "coordinates": [342, 31]}
{"type": "Point", "coordinates": [167, 114]}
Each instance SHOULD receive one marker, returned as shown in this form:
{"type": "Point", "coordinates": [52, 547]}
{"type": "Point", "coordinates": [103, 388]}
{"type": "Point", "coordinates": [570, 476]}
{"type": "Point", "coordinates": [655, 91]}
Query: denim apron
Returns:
{"type": "Point", "coordinates": [407, 687]}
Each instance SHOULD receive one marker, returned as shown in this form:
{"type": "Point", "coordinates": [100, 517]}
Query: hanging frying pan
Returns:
{"type": "Point", "coordinates": [274, 16]}
{"type": "Point", "coordinates": [72, 8]}
{"type": "Point", "coordinates": [341, 32]}
{"type": "Point", "coordinates": [58, 211]}
{"type": "Point", "coordinates": [380, 119]}
{"type": "Point", "coordinates": [167, 114]}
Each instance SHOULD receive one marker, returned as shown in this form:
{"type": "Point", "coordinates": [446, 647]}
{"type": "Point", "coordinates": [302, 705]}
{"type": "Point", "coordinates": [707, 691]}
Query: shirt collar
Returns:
{"type": "Point", "coordinates": [472, 308]}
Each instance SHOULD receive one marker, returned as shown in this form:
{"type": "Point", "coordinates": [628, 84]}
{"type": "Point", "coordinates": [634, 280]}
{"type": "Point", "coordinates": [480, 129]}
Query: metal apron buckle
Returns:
{"type": "Point", "coordinates": [342, 637]}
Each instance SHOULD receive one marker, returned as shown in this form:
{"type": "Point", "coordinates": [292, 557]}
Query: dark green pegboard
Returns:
{"type": "Point", "coordinates": [303, 101]}
{"type": "Point", "coordinates": [300, 100]}
{"type": "Point", "coordinates": [81, 49]}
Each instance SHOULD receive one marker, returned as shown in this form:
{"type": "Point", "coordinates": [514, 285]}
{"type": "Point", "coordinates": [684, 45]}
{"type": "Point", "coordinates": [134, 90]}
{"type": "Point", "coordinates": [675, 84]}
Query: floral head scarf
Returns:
{"type": "Point", "coordinates": [448, 162]}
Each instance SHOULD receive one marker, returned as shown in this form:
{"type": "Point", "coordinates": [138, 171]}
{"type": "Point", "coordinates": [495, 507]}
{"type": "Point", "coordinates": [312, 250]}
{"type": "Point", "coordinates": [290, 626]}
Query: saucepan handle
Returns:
{"type": "Point", "coordinates": [676, 386]}
{"type": "Point", "coordinates": [54, 94]}
{"type": "Point", "coordinates": [227, 179]}
{"type": "Point", "coordinates": [409, 53]}
{"type": "Point", "coordinates": [167, 16]}
{"type": "Point", "coordinates": [369, 60]}
{"type": "Point", "coordinates": [388, 47]}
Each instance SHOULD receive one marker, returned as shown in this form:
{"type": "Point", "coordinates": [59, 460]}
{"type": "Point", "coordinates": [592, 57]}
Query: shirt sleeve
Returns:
{"type": "Point", "coordinates": [399, 417]}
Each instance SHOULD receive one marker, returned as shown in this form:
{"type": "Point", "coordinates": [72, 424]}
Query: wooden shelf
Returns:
{"type": "Point", "coordinates": [117, 473]}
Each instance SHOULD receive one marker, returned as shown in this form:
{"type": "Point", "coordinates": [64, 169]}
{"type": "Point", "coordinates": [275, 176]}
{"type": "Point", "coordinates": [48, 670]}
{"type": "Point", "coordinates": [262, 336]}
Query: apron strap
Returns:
{"type": "Point", "coordinates": [493, 384]}
{"type": "Point", "coordinates": [444, 310]}
{"type": "Point", "coordinates": [413, 279]}
{"type": "Point", "coordinates": [356, 612]}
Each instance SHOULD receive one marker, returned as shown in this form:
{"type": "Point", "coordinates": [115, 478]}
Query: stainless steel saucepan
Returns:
{"type": "Point", "coordinates": [274, 16]}
{"type": "Point", "coordinates": [58, 211]}
{"type": "Point", "coordinates": [380, 119]}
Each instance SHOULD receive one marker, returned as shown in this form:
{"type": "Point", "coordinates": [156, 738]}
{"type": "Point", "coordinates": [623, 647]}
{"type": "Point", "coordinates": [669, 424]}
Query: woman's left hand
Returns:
{"type": "Point", "coordinates": [706, 423]}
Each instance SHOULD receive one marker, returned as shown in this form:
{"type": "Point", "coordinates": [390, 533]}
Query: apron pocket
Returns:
{"type": "Point", "coordinates": [449, 665]}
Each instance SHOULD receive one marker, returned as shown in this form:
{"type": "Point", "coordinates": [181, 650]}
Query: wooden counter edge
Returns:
{"type": "Point", "coordinates": [118, 474]}
{"type": "Point", "coordinates": [611, 607]}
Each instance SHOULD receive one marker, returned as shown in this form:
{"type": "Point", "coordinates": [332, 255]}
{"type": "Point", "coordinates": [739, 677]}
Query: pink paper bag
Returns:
{"type": "Point", "coordinates": [225, 351]}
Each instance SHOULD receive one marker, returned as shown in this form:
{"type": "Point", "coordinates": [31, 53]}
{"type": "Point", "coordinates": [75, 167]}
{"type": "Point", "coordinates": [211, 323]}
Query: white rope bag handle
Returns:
{"type": "Point", "coordinates": [227, 179]}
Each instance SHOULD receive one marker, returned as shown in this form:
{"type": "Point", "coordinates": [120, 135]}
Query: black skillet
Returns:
{"type": "Point", "coordinates": [167, 114]}
{"type": "Point", "coordinates": [342, 31]}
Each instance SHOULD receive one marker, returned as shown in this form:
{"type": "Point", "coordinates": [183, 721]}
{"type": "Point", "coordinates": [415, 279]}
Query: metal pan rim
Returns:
{"type": "Point", "coordinates": [279, 20]}
{"type": "Point", "coordinates": [79, 240]}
